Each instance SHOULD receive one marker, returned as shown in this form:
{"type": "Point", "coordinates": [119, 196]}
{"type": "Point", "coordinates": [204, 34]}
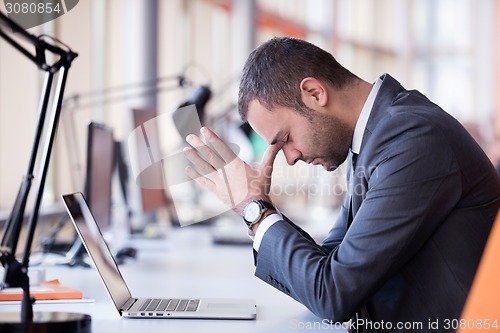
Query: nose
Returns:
{"type": "Point", "coordinates": [292, 155]}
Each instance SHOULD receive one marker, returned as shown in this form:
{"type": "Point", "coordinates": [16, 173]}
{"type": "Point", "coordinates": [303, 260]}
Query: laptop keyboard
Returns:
{"type": "Point", "coordinates": [156, 304]}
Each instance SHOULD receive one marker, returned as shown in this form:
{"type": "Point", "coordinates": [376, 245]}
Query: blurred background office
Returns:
{"type": "Point", "coordinates": [447, 49]}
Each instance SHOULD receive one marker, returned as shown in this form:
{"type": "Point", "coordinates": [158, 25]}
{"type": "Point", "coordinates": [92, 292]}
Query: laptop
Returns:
{"type": "Point", "coordinates": [118, 291]}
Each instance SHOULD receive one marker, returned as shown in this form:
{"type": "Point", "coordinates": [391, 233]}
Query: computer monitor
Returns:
{"type": "Point", "coordinates": [98, 183]}
{"type": "Point", "coordinates": [99, 174]}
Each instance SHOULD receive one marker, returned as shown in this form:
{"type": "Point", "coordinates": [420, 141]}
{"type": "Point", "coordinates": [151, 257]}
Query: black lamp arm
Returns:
{"type": "Point", "coordinates": [16, 274]}
{"type": "Point", "coordinates": [41, 46]}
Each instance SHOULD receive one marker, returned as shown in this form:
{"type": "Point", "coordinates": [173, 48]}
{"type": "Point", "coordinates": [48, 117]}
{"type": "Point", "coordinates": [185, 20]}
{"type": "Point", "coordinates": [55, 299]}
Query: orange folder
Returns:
{"type": "Point", "coordinates": [482, 309]}
{"type": "Point", "coordinates": [50, 290]}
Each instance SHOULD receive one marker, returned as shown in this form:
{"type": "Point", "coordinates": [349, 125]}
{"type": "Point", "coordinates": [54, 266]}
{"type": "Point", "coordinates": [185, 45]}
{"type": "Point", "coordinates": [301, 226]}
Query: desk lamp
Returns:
{"type": "Point", "coordinates": [16, 273]}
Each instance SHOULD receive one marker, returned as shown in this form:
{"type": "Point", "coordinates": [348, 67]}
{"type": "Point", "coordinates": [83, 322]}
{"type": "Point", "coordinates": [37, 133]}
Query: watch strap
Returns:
{"type": "Point", "coordinates": [265, 204]}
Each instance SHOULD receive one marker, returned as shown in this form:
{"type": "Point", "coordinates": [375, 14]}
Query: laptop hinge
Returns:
{"type": "Point", "coordinates": [128, 304]}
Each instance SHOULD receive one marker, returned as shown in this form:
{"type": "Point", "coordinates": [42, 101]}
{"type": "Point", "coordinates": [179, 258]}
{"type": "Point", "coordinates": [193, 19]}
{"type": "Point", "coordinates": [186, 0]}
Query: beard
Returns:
{"type": "Point", "coordinates": [330, 140]}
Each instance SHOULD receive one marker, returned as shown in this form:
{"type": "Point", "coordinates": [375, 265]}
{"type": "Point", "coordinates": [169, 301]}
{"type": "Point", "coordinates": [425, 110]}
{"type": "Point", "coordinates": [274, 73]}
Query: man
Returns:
{"type": "Point", "coordinates": [422, 198]}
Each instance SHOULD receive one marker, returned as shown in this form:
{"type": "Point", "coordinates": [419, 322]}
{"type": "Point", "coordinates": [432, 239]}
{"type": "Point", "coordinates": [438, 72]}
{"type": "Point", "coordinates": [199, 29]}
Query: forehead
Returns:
{"type": "Point", "coordinates": [268, 124]}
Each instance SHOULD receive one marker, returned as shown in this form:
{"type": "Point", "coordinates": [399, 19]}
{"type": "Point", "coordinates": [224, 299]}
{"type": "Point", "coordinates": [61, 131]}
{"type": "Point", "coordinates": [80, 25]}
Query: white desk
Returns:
{"type": "Point", "coordinates": [186, 264]}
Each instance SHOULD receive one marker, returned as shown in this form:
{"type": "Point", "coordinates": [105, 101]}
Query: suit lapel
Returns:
{"type": "Point", "coordinates": [386, 96]}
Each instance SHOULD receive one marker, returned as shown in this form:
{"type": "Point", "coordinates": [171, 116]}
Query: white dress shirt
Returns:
{"type": "Point", "coordinates": [357, 138]}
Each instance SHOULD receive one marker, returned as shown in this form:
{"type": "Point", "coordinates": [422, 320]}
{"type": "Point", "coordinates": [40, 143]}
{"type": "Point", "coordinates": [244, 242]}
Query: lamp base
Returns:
{"type": "Point", "coordinates": [53, 322]}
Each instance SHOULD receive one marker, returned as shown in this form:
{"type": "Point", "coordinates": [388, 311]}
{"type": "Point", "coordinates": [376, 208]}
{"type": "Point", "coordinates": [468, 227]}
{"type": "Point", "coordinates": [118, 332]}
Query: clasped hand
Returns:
{"type": "Point", "coordinates": [217, 168]}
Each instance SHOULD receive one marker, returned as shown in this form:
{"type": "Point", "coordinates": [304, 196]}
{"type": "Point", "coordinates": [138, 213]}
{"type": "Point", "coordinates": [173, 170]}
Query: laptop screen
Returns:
{"type": "Point", "coordinates": [97, 248]}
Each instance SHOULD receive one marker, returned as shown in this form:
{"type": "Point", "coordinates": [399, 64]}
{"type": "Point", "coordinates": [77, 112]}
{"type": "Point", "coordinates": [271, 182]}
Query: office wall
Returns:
{"type": "Point", "coordinates": [19, 82]}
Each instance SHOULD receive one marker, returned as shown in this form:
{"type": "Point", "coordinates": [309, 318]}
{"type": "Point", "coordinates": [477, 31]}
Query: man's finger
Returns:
{"type": "Point", "coordinates": [203, 167]}
{"type": "Point", "coordinates": [270, 154]}
{"type": "Point", "coordinates": [202, 181]}
{"type": "Point", "coordinates": [205, 151]}
{"type": "Point", "coordinates": [218, 145]}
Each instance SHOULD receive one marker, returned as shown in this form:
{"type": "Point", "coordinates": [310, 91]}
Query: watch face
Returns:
{"type": "Point", "coordinates": [252, 212]}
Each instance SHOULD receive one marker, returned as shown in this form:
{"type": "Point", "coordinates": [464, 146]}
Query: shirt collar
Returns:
{"type": "Point", "coordinates": [359, 130]}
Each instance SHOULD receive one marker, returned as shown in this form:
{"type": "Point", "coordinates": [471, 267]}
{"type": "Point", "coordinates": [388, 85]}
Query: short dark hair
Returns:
{"type": "Point", "coordinates": [274, 70]}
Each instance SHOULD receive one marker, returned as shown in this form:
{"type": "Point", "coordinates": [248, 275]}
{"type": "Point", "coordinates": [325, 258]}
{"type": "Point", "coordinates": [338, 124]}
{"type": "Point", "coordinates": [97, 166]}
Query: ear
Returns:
{"type": "Point", "coordinates": [314, 93]}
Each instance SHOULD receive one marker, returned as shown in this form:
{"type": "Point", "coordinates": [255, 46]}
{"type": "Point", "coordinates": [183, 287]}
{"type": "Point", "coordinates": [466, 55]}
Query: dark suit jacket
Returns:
{"type": "Point", "coordinates": [424, 198]}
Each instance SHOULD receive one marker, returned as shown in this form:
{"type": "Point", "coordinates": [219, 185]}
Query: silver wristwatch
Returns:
{"type": "Point", "coordinates": [253, 211]}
